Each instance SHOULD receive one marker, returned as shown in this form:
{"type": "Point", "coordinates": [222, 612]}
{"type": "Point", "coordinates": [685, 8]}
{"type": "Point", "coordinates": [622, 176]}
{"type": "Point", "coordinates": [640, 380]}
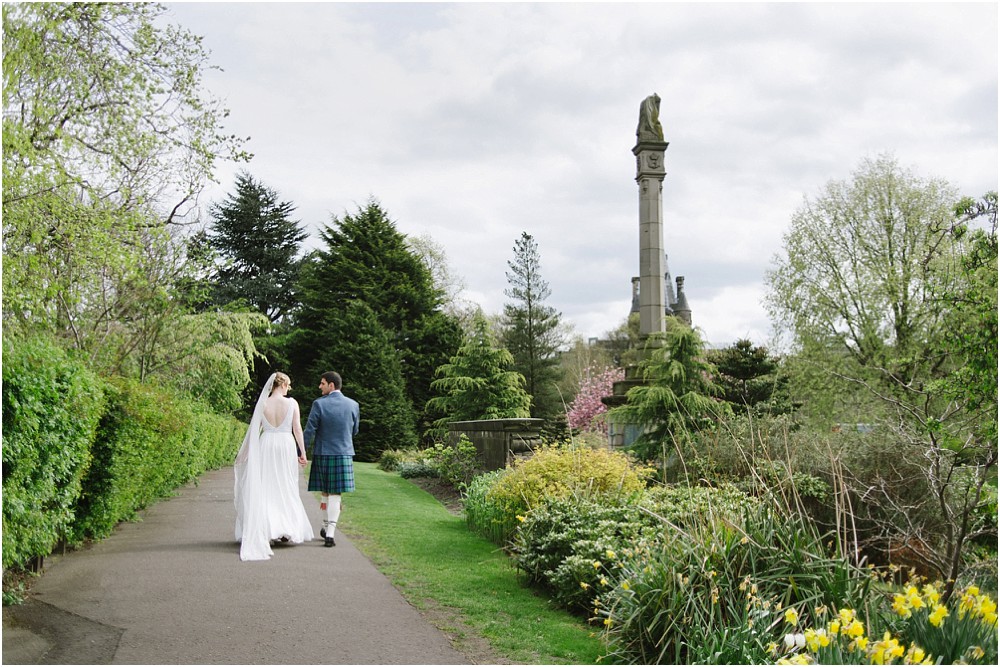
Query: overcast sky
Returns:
{"type": "Point", "coordinates": [471, 123]}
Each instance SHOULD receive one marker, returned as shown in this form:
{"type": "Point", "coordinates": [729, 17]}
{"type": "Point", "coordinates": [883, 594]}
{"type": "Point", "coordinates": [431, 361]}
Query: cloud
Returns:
{"type": "Point", "coordinates": [473, 122]}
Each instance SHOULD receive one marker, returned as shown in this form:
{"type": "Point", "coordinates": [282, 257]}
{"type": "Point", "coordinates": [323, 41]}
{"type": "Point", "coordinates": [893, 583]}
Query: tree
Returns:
{"type": "Point", "coordinates": [531, 329]}
{"type": "Point", "coordinates": [365, 258]}
{"type": "Point", "coordinates": [358, 347]}
{"type": "Point", "coordinates": [750, 380]}
{"type": "Point", "coordinates": [587, 412]}
{"type": "Point", "coordinates": [871, 288]}
{"type": "Point", "coordinates": [678, 397]}
{"type": "Point", "coordinates": [478, 383]}
{"type": "Point", "coordinates": [860, 263]}
{"type": "Point", "coordinates": [258, 243]}
{"type": "Point", "coordinates": [108, 138]}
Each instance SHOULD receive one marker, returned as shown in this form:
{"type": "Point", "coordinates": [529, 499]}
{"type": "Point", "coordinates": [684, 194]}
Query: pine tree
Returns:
{"type": "Point", "coordinates": [478, 383]}
{"type": "Point", "coordinates": [258, 243]}
{"type": "Point", "coordinates": [531, 328]}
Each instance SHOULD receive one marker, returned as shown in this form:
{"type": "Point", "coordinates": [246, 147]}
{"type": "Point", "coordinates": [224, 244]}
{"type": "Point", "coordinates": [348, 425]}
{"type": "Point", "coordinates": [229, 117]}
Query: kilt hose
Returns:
{"type": "Point", "coordinates": [331, 474]}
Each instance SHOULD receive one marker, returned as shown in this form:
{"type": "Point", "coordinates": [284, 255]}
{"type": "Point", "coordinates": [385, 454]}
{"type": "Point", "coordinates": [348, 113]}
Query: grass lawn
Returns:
{"type": "Point", "coordinates": [463, 582]}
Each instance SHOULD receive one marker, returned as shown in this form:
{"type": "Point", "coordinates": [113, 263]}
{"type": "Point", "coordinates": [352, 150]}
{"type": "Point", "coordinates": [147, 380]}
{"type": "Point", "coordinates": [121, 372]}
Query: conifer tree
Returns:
{"type": "Point", "coordinates": [678, 397]}
{"type": "Point", "coordinates": [749, 379]}
{"type": "Point", "coordinates": [531, 328]}
{"type": "Point", "coordinates": [358, 347]}
{"type": "Point", "coordinates": [478, 383]}
{"type": "Point", "coordinates": [365, 258]}
{"type": "Point", "coordinates": [254, 236]}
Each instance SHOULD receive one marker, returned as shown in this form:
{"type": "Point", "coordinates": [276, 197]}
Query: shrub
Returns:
{"type": "Point", "coordinates": [557, 472]}
{"type": "Point", "coordinates": [557, 543]}
{"type": "Point", "coordinates": [390, 459]}
{"type": "Point", "coordinates": [457, 465]}
{"type": "Point", "coordinates": [704, 593]}
{"type": "Point", "coordinates": [51, 407]}
{"type": "Point", "coordinates": [148, 444]}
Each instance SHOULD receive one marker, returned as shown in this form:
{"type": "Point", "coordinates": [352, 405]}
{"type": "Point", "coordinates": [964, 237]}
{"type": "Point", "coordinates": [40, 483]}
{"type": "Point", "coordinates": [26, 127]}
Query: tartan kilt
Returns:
{"type": "Point", "coordinates": [331, 474]}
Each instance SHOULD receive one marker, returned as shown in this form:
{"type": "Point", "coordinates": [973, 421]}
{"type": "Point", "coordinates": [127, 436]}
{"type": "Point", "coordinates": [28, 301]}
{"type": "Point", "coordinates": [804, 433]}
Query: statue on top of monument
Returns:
{"type": "Point", "coordinates": [649, 120]}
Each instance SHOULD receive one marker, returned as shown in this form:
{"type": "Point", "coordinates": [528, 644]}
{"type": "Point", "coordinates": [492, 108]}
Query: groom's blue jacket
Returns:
{"type": "Point", "coordinates": [333, 422]}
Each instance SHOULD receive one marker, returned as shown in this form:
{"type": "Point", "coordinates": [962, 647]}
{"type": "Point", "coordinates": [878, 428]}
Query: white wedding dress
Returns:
{"type": "Point", "coordinates": [268, 506]}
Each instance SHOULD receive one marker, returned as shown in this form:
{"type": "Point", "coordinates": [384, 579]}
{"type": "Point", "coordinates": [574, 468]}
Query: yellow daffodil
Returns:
{"type": "Point", "coordinates": [834, 627]}
{"type": "Point", "coordinates": [610, 554]}
{"type": "Point", "coordinates": [792, 616]}
{"type": "Point", "coordinates": [584, 585]}
{"type": "Point", "coordinates": [937, 616]}
{"type": "Point", "coordinates": [596, 564]}
{"type": "Point", "coordinates": [520, 518]}
{"type": "Point", "coordinates": [626, 586]}
{"type": "Point", "coordinates": [900, 605]}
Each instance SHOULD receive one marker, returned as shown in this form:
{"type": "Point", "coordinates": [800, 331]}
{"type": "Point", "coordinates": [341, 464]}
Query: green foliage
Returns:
{"type": "Point", "coordinates": [750, 379]}
{"type": "Point", "coordinates": [147, 445]}
{"type": "Point", "coordinates": [51, 407]}
{"type": "Point", "coordinates": [558, 543]}
{"type": "Point", "coordinates": [358, 347]}
{"type": "Point", "coordinates": [258, 242]}
{"type": "Point", "coordinates": [484, 514]}
{"type": "Point", "coordinates": [457, 465]}
{"type": "Point", "coordinates": [531, 329]}
{"type": "Point", "coordinates": [366, 259]}
{"type": "Point", "coordinates": [704, 593]}
{"type": "Point", "coordinates": [677, 399]}
{"type": "Point", "coordinates": [972, 332]}
{"type": "Point", "coordinates": [109, 137]}
{"type": "Point", "coordinates": [207, 356]}
{"type": "Point", "coordinates": [391, 459]}
{"type": "Point", "coordinates": [550, 472]}
{"type": "Point", "coordinates": [478, 383]}
{"type": "Point", "coordinates": [410, 469]}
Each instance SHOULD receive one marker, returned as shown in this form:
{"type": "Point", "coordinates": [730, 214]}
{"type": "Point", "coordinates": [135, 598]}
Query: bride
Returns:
{"type": "Point", "coordinates": [268, 506]}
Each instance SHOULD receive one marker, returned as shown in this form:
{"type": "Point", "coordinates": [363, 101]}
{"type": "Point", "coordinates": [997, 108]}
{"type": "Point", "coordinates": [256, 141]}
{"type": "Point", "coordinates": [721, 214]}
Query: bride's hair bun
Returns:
{"type": "Point", "coordinates": [282, 380]}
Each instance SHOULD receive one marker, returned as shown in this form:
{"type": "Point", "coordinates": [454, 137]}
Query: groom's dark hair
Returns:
{"type": "Point", "coordinates": [333, 378]}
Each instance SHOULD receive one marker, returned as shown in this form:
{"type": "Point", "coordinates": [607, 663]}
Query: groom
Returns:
{"type": "Point", "coordinates": [332, 423]}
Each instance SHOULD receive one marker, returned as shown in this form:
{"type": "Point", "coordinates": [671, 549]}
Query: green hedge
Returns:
{"type": "Point", "coordinates": [81, 454]}
{"type": "Point", "coordinates": [51, 408]}
{"type": "Point", "coordinates": [148, 445]}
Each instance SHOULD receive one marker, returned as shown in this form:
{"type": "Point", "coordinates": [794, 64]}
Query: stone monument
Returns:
{"type": "Point", "coordinates": [652, 302]}
{"type": "Point", "coordinates": [649, 152]}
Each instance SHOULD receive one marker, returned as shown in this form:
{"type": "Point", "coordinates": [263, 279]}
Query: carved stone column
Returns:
{"type": "Point", "coordinates": [650, 170]}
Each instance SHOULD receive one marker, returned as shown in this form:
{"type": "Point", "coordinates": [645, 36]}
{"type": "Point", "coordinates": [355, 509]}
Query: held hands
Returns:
{"type": "Point", "coordinates": [302, 458]}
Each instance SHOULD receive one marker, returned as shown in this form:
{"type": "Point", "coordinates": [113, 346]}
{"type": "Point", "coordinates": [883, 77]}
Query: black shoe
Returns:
{"type": "Point", "coordinates": [322, 532]}
{"type": "Point", "coordinates": [329, 542]}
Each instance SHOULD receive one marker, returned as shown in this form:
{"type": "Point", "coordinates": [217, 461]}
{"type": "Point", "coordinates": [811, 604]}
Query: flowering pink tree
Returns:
{"type": "Point", "coordinates": [586, 412]}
